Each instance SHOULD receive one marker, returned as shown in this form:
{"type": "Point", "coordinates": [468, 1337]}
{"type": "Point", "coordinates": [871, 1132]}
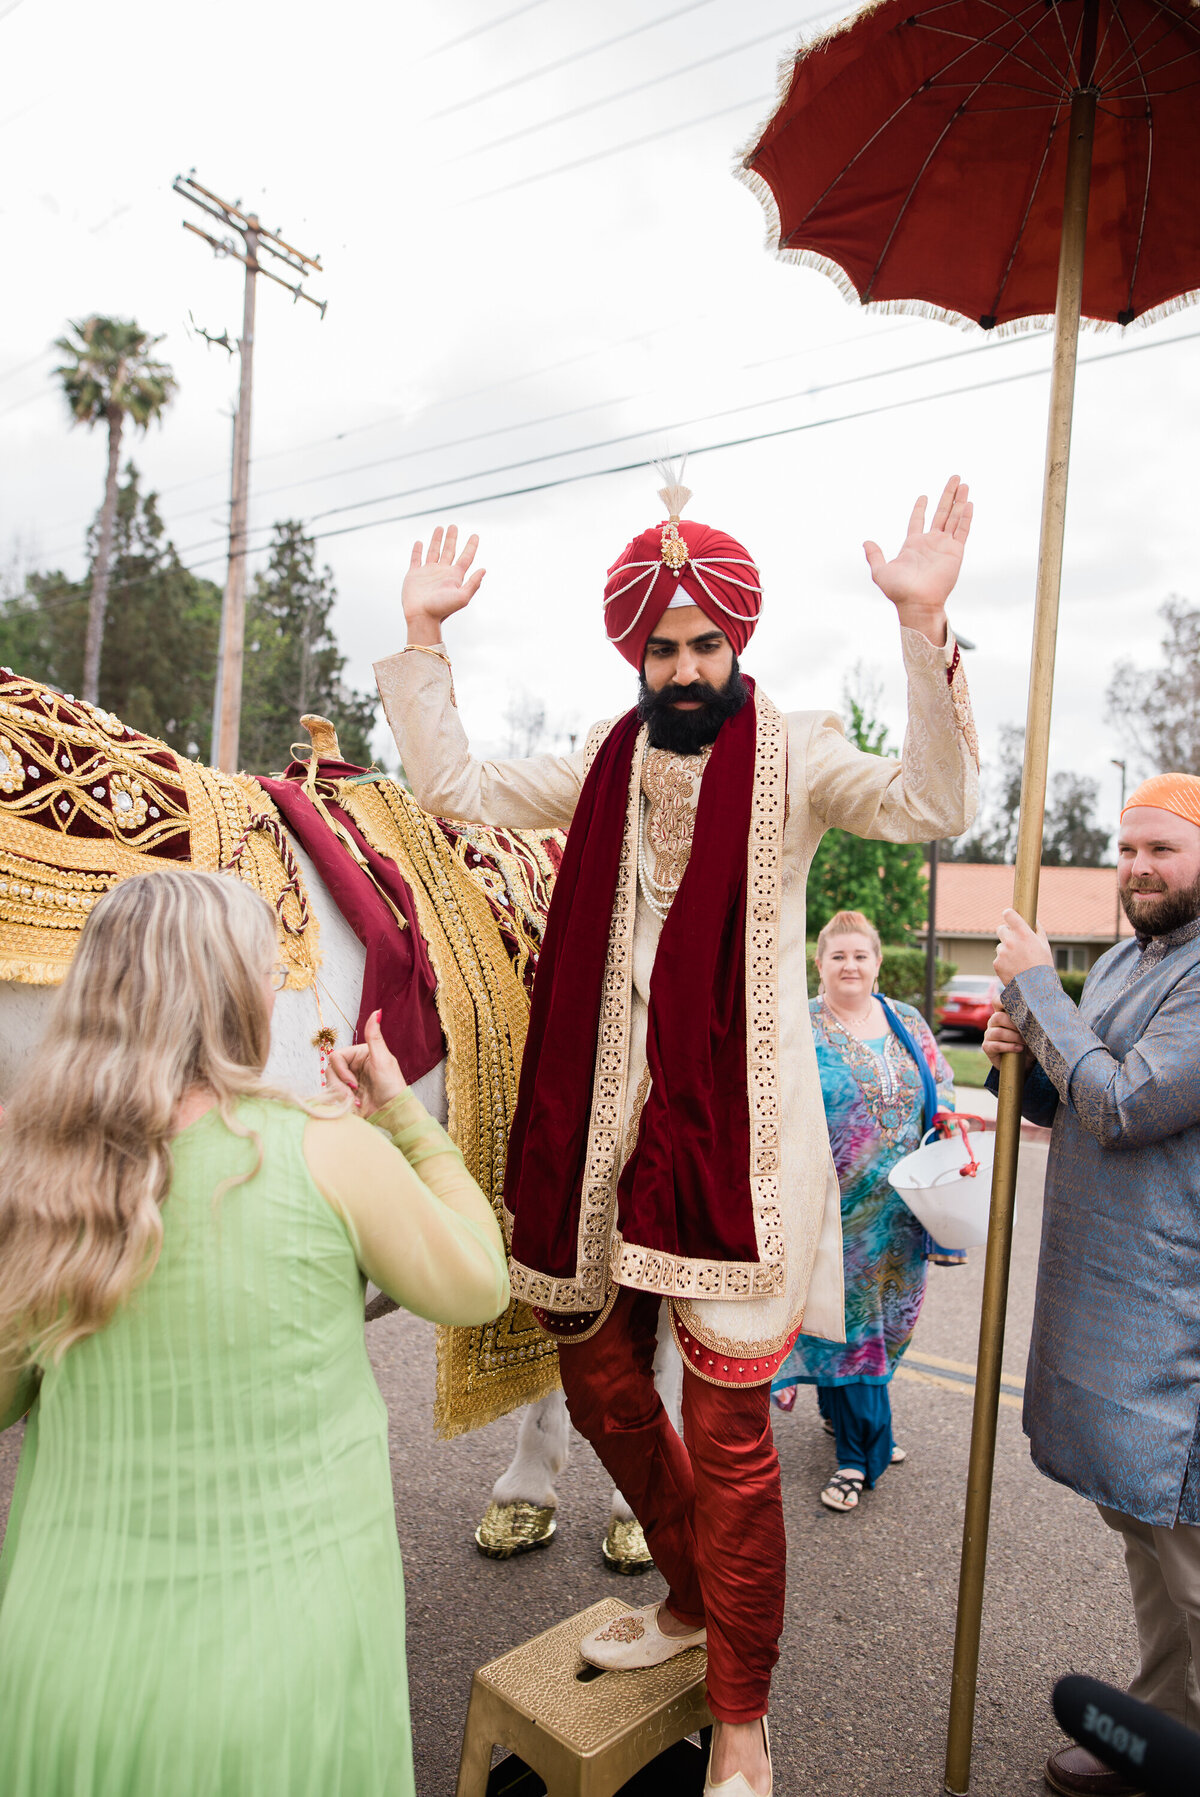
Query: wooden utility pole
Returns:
{"type": "Point", "coordinates": [227, 704]}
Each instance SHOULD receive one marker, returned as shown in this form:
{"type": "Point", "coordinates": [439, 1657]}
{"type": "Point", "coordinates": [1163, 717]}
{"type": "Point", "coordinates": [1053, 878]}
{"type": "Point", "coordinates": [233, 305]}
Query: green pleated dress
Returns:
{"type": "Point", "coordinates": [202, 1593]}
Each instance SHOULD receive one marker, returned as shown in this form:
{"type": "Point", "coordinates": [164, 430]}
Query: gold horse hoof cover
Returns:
{"type": "Point", "coordinates": [510, 1529]}
{"type": "Point", "coordinates": [625, 1548]}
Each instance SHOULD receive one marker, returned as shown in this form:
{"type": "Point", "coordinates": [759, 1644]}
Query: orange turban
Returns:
{"type": "Point", "coordinates": [1178, 793]}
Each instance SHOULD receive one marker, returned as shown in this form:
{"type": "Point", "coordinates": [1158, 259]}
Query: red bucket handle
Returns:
{"type": "Point", "coordinates": [946, 1122]}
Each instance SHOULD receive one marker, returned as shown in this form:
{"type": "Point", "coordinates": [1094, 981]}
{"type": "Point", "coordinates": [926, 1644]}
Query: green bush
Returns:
{"type": "Point", "coordinates": [902, 975]}
{"type": "Point", "coordinates": [1073, 984]}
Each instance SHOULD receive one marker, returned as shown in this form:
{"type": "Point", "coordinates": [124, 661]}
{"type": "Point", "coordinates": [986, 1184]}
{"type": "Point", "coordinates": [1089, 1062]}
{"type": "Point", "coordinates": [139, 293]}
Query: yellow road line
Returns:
{"type": "Point", "coordinates": [959, 1385]}
{"type": "Point", "coordinates": [961, 1366]}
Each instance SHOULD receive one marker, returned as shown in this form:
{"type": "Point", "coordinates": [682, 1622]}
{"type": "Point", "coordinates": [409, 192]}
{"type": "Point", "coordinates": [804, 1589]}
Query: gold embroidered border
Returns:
{"type": "Point", "coordinates": [679, 1276]}
{"type": "Point", "coordinates": [673, 1275]}
{"type": "Point", "coordinates": [482, 1372]}
{"type": "Point", "coordinates": [597, 1200]}
{"type": "Point", "coordinates": [964, 716]}
{"type": "Point", "coordinates": [50, 879]}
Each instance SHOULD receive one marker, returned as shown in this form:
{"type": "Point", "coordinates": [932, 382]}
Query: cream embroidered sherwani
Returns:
{"type": "Point", "coordinates": [930, 791]}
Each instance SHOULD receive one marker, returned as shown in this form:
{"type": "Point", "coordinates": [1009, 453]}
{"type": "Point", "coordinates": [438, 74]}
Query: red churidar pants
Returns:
{"type": "Point", "coordinates": [711, 1505]}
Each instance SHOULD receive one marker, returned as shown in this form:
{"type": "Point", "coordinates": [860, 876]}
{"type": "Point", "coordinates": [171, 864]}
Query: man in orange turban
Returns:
{"type": "Point", "coordinates": [1112, 1394]}
{"type": "Point", "coordinates": [669, 1140]}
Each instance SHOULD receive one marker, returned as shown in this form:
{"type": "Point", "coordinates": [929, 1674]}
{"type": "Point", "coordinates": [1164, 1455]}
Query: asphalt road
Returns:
{"type": "Point", "coordinates": [860, 1696]}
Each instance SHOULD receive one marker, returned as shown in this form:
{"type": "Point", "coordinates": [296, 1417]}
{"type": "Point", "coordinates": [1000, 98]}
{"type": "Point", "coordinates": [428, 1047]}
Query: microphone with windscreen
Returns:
{"type": "Point", "coordinates": [1154, 1752]}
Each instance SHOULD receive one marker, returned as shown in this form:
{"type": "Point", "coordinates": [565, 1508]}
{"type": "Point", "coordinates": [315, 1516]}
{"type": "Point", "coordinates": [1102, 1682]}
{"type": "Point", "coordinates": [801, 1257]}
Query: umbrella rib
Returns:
{"type": "Point", "coordinates": [887, 123]}
{"type": "Point", "coordinates": [1016, 87]}
{"type": "Point", "coordinates": [1134, 58]}
{"type": "Point", "coordinates": [919, 176]}
{"type": "Point", "coordinates": [1033, 193]}
{"type": "Point", "coordinates": [1057, 86]}
{"type": "Point", "coordinates": [1071, 63]}
{"type": "Point", "coordinates": [1152, 93]}
{"type": "Point", "coordinates": [1005, 18]}
{"type": "Point", "coordinates": [1137, 254]}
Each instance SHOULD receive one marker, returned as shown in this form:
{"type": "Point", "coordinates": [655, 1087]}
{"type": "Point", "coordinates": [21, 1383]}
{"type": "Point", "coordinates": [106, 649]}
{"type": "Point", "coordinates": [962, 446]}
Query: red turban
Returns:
{"type": "Point", "coordinates": [1179, 793]}
{"type": "Point", "coordinates": [680, 563]}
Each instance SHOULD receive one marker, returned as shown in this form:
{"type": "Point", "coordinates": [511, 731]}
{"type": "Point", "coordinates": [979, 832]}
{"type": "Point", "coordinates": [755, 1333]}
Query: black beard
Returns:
{"type": "Point", "coordinates": [687, 732]}
{"type": "Point", "coordinates": [1158, 913]}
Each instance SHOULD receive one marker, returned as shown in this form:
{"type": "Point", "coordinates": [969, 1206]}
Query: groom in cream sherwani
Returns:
{"type": "Point", "coordinates": [670, 1142]}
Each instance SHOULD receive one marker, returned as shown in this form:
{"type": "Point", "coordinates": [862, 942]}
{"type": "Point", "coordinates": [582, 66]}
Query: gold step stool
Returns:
{"type": "Point", "coordinates": [583, 1737]}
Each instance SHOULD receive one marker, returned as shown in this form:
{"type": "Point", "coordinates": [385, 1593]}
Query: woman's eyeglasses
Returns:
{"type": "Point", "coordinates": [278, 977]}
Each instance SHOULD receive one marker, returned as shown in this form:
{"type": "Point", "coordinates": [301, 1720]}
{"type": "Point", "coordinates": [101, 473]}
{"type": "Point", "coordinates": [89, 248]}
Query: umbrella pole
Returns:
{"type": "Point", "coordinates": [1029, 858]}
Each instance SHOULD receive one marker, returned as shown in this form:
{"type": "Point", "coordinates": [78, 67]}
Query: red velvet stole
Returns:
{"type": "Point", "coordinates": [398, 979]}
{"type": "Point", "coordinates": [686, 1188]}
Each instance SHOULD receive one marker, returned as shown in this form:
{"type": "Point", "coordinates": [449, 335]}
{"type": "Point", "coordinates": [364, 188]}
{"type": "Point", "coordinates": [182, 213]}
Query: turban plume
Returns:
{"type": "Point", "coordinates": [1177, 793]}
{"type": "Point", "coordinates": [679, 563]}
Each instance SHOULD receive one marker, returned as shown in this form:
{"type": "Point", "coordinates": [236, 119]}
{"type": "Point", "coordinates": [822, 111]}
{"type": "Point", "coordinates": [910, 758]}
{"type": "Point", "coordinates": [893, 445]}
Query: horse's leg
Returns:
{"type": "Point", "coordinates": [625, 1547]}
{"type": "Point", "coordinates": [521, 1513]}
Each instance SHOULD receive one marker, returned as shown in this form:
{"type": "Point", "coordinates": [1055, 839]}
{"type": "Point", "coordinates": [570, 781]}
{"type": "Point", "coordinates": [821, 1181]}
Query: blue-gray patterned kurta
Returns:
{"type": "Point", "coordinates": [1113, 1385]}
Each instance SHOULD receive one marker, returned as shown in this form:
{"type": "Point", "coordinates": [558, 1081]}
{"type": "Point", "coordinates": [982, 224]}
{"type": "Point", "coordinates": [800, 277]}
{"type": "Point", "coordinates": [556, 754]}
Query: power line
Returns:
{"type": "Point", "coordinates": [20, 368]}
{"type": "Point", "coordinates": [427, 449]}
{"type": "Point", "coordinates": [30, 400]}
{"type": "Point", "coordinates": [562, 118]}
{"type": "Point", "coordinates": [563, 62]}
{"type": "Point", "coordinates": [789, 430]}
{"type": "Point", "coordinates": [378, 424]}
{"type": "Point", "coordinates": [492, 25]}
{"type": "Point", "coordinates": [567, 480]}
{"type": "Point", "coordinates": [633, 143]}
{"type": "Point", "coordinates": [606, 442]}
{"type": "Point", "coordinates": [678, 424]}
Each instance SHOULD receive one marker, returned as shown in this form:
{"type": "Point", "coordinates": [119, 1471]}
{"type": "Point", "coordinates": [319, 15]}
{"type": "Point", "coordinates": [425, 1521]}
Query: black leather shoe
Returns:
{"type": "Point", "coordinates": [1077, 1773]}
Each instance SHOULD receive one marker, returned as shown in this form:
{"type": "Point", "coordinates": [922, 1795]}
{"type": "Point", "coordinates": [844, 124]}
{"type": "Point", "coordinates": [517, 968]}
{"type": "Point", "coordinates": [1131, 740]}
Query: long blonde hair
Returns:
{"type": "Point", "coordinates": [166, 992]}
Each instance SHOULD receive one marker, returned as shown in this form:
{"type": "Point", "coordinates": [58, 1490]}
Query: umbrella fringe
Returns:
{"type": "Point", "coordinates": [815, 39]}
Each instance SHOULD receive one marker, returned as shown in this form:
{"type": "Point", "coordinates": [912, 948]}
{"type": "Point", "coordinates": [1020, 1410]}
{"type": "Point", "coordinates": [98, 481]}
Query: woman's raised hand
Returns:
{"type": "Point", "coordinates": [437, 585]}
{"type": "Point", "coordinates": [368, 1071]}
{"type": "Point", "coordinates": [920, 578]}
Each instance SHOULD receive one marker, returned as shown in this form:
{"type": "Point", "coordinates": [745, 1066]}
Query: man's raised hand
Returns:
{"type": "Point", "coordinates": [437, 585]}
{"type": "Point", "coordinates": [920, 579]}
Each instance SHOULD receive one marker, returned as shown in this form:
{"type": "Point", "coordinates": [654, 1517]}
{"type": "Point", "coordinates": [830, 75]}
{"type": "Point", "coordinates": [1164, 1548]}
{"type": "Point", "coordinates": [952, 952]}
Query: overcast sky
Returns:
{"type": "Point", "coordinates": [495, 303]}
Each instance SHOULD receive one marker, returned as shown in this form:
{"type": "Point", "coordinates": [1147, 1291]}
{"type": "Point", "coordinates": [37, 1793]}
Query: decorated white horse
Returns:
{"type": "Point", "coordinates": [377, 901]}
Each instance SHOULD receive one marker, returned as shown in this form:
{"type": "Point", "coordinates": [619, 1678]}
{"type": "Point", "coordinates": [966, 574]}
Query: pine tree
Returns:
{"type": "Point", "coordinates": [293, 663]}
{"type": "Point", "coordinates": [883, 880]}
{"type": "Point", "coordinates": [160, 636]}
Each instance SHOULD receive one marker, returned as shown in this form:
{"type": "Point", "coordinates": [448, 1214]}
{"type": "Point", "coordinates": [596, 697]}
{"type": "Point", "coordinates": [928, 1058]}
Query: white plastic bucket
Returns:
{"type": "Point", "coordinates": [951, 1205]}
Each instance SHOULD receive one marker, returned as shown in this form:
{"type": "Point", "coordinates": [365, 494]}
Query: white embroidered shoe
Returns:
{"type": "Point", "coordinates": [634, 1640]}
{"type": "Point", "coordinates": [739, 1785]}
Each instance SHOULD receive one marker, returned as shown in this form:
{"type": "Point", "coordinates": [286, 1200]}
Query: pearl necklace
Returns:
{"type": "Point", "coordinates": [849, 1023]}
{"type": "Point", "coordinates": [658, 897]}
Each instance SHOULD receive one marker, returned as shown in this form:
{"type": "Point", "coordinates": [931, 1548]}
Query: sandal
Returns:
{"type": "Point", "coordinates": [844, 1489]}
{"type": "Point", "coordinates": [899, 1456]}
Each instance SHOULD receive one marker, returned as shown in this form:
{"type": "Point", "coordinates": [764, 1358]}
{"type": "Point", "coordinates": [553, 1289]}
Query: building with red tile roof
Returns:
{"type": "Point", "coordinates": [1077, 906]}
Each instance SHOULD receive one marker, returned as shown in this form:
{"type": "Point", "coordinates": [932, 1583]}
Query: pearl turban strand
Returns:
{"type": "Point", "coordinates": [713, 571]}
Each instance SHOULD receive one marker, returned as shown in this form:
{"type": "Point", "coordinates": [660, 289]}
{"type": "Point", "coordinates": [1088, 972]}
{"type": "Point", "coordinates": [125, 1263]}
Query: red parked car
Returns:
{"type": "Point", "coordinates": [968, 1002]}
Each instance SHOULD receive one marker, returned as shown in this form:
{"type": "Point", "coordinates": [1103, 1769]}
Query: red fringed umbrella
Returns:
{"type": "Point", "coordinates": [995, 162]}
{"type": "Point", "coordinates": [919, 156]}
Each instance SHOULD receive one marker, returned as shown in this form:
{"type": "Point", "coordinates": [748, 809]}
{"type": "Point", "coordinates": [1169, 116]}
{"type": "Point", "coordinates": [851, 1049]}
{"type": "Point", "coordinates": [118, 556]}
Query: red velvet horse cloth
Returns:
{"type": "Point", "coordinates": [398, 979]}
{"type": "Point", "coordinates": [686, 1187]}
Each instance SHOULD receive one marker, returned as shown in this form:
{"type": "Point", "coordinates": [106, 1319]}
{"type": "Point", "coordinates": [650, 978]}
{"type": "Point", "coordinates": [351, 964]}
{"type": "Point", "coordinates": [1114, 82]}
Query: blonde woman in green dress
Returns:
{"type": "Point", "coordinates": [200, 1588]}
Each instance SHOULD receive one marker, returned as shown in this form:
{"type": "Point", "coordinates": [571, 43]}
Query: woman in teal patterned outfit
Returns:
{"type": "Point", "coordinates": [200, 1591]}
{"type": "Point", "coordinates": [882, 1077]}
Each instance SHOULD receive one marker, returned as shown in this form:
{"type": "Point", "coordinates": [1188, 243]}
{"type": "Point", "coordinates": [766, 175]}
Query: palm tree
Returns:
{"type": "Point", "coordinates": [110, 375]}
